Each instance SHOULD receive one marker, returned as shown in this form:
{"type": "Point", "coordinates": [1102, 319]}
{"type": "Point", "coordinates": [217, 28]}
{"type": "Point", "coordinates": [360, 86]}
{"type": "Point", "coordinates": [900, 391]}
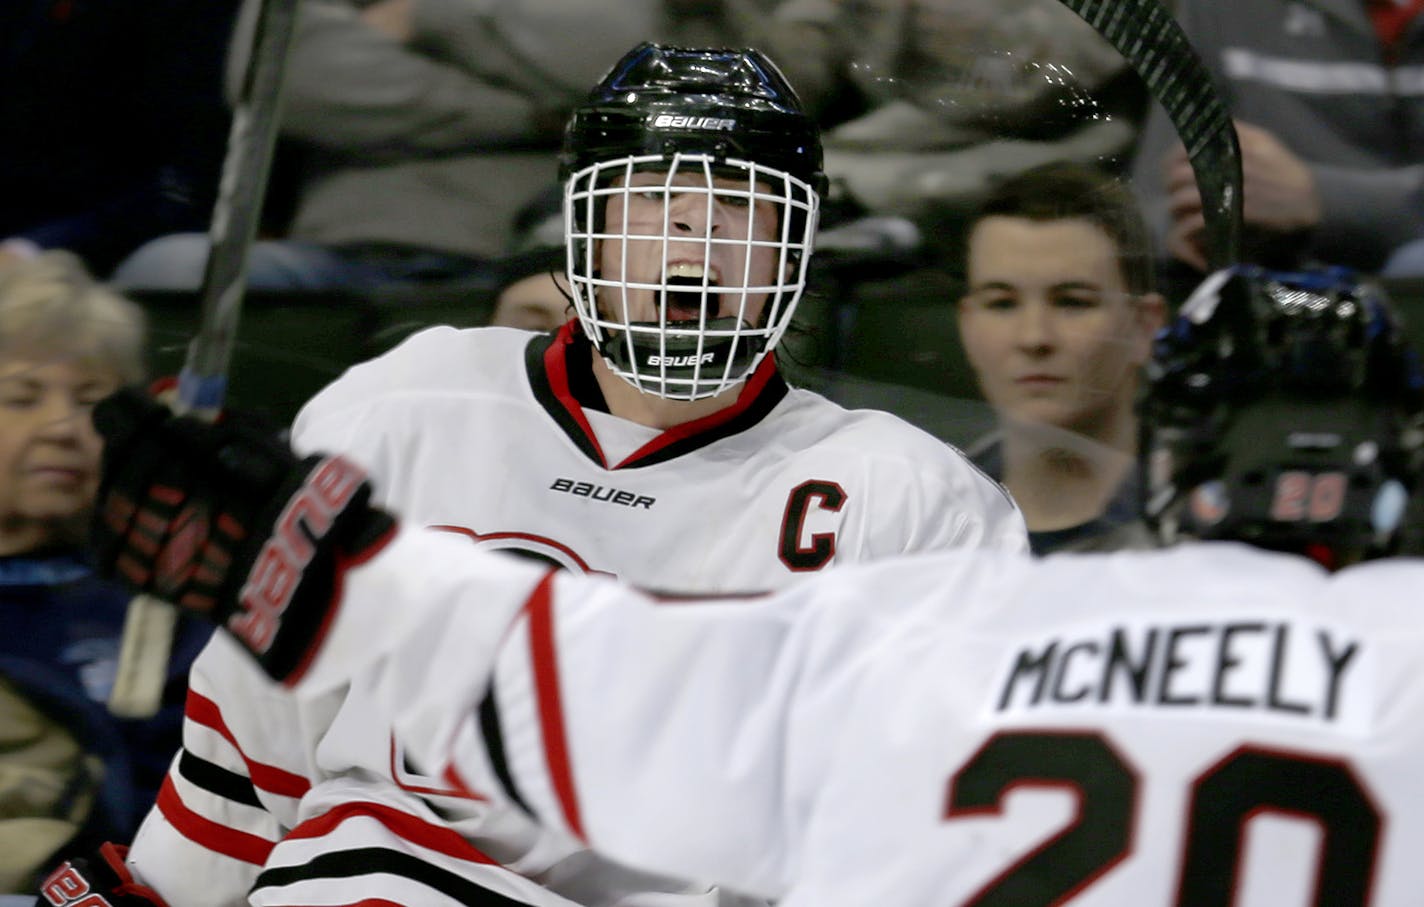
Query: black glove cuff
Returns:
{"type": "Point", "coordinates": [323, 521]}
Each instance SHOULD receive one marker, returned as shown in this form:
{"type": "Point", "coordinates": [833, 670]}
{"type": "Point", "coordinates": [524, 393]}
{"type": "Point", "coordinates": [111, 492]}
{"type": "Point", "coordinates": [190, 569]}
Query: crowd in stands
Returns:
{"type": "Point", "coordinates": [420, 147]}
{"type": "Point", "coordinates": [420, 130]}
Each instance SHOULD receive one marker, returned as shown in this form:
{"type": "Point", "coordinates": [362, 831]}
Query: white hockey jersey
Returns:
{"type": "Point", "coordinates": [480, 434]}
{"type": "Point", "coordinates": [1210, 724]}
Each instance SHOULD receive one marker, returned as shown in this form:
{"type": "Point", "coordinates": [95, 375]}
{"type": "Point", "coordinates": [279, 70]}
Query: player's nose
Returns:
{"type": "Point", "coordinates": [694, 212]}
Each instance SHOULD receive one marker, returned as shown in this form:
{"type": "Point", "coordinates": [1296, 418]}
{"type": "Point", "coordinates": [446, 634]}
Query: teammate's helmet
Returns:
{"type": "Point", "coordinates": [722, 130]}
{"type": "Point", "coordinates": [1283, 409]}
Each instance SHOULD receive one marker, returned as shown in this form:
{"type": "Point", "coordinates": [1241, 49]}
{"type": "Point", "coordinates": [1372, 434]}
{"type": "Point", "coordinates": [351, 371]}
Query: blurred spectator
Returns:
{"type": "Point", "coordinates": [114, 123]}
{"type": "Point", "coordinates": [532, 292]}
{"type": "Point", "coordinates": [1330, 115]}
{"type": "Point", "coordinates": [66, 342]}
{"type": "Point", "coordinates": [422, 128]}
{"type": "Point", "coordinates": [1057, 321]}
{"type": "Point", "coordinates": [956, 94]}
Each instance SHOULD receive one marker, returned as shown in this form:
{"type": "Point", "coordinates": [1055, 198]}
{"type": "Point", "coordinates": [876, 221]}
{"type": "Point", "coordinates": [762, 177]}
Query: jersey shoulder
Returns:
{"type": "Point", "coordinates": [933, 467]}
{"type": "Point", "coordinates": [1383, 591]}
{"type": "Point", "coordinates": [437, 362]}
{"type": "Point", "coordinates": [442, 357]}
{"type": "Point", "coordinates": [1219, 581]}
{"type": "Point", "coordinates": [863, 433]}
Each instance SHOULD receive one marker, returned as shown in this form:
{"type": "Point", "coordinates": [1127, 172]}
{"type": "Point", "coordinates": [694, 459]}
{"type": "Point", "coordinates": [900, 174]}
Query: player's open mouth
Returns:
{"type": "Point", "coordinates": [685, 283]}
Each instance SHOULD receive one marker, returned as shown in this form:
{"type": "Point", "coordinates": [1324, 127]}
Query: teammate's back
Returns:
{"type": "Point", "coordinates": [1211, 724]}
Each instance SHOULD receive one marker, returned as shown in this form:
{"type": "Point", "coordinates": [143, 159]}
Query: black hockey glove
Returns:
{"type": "Point", "coordinates": [223, 520]}
{"type": "Point", "coordinates": [100, 880]}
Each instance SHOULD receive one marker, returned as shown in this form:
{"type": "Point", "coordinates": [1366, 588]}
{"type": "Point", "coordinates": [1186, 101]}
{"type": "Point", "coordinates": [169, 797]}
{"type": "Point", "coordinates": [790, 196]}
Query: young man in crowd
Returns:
{"type": "Point", "coordinates": [651, 438]}
{"type": "Point", "coordinates": [1057, 321]}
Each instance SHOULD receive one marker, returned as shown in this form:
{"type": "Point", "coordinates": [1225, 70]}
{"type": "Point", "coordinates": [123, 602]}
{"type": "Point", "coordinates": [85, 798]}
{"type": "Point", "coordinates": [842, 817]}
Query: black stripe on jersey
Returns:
{"type": "Point", "coordinates": [361, 861]}
{"type": "Point", "coordinates": [217, 780]}
{"type": "Point", "coordinates": [578, 368]}
{"type": "Point", "coordinates": [580, 373]}
{"type": "Point", "coordinates": [494, 748]}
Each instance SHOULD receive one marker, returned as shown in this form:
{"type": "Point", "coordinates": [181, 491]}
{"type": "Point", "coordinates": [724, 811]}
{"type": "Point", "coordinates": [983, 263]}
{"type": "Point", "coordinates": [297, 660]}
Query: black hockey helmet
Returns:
{"type": "Point", "coordinates": [1284, 410]}
{"type": "Point", "coordinates": [725, 131]}
{"type": "Point", "coordinates": [718, 101]}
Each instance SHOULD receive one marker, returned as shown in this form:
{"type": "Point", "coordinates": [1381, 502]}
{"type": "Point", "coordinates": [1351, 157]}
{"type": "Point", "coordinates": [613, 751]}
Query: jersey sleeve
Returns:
{"type": "Point", "coordinates": [647, 730]}
{"type": "Point", "coordinates": [693, 738]}
{"type": "Point", "coordinates": [619, 719]}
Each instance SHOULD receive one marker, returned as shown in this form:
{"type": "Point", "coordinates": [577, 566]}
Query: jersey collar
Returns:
{"type": "Point", "coordinates": [560, 368]}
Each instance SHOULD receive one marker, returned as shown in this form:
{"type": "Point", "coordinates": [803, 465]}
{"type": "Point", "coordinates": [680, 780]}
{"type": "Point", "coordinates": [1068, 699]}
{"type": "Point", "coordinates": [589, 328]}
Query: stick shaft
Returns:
{"type": "Point", "coordinates": [1152, 42]}
{"type": "Point", "coordinates": [202, 384]}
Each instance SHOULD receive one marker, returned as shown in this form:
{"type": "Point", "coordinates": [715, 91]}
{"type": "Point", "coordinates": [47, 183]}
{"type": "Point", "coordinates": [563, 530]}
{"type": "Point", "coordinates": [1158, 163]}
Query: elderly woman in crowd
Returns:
{"type": "Point", "coordinates": [70, 768]}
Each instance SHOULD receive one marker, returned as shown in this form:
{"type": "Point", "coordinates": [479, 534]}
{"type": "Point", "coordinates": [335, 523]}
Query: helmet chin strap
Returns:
{"type": "Point", "coordinates": [668, 365]}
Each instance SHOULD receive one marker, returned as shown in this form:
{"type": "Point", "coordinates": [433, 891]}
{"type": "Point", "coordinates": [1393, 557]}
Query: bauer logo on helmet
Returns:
{"type": "Point", "coordinates": [673, 121]}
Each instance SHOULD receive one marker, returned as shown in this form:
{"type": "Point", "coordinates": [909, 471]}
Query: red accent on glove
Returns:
{"type": "Point", "coordinates": [104, 881]}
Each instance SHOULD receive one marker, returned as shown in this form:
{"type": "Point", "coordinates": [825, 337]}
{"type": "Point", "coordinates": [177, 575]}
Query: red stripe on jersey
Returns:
{"type": "Point", "coordinates": [750, 391]}
{"type": "Point", "coordinates": [453, 776]}
{"type": "Point", "coordinates": [556, 367]}
{"type": "Point", "coordinates": [551, 710]}
{"type": "Point", "coordinates": [229, 842]}
{"type": "Point", "coordinates": [202, 710]}
{"type": "Point", "coordinates": [438, 838]}
{"type": "Point", "coordinates": [478, 537]}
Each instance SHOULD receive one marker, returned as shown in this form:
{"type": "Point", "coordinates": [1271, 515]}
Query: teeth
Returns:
{"type": "Point", "coordinates": [688, 269]}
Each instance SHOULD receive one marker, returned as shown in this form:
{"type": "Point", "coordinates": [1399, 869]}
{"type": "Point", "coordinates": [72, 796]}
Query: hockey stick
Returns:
{"type": "Point", "coordinates": [1152, 42]}
{"type": "Point", "coordinates": [202, 382]}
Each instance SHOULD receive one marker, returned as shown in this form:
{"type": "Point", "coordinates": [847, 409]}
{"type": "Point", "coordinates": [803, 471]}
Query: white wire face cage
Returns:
{"type": "Point", "coordinates": [686, 270]}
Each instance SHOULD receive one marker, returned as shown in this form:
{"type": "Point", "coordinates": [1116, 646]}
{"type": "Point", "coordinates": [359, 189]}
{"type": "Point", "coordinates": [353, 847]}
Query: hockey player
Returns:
{"type": "Point", "coordinates": [651, 438]}
{"type": "Point", "coordinates": [1211, 723]}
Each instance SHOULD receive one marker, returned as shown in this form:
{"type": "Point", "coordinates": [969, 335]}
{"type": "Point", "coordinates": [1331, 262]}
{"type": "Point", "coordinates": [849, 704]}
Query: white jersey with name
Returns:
{"type": "Point", "coordinates": [1210, 724]}
{"type": "Point", "coordinates": [484, 435]}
